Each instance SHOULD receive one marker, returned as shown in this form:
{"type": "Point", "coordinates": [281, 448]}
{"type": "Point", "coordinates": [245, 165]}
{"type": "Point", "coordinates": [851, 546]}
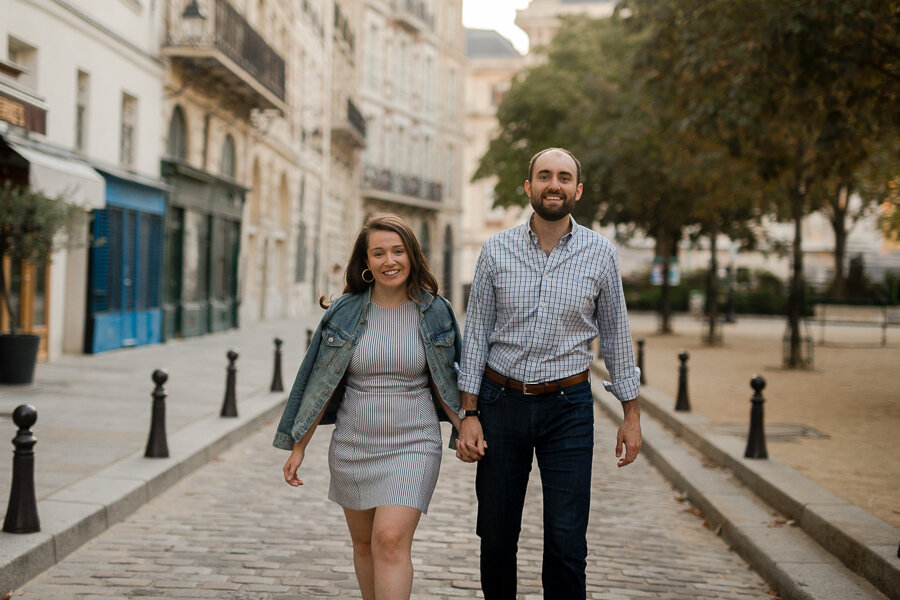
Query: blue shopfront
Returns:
{"type": "Point", "coordinates": [125, 270]}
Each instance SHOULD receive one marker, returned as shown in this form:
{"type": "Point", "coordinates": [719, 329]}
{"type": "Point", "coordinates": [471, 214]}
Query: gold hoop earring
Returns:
{"type": "Point", "coordinates": [372, 275]}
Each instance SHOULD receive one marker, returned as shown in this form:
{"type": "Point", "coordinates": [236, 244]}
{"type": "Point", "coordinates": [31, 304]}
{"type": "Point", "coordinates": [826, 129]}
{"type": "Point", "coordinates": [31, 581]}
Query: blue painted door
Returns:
{"type": "Point", "coordinates": [124, 303]}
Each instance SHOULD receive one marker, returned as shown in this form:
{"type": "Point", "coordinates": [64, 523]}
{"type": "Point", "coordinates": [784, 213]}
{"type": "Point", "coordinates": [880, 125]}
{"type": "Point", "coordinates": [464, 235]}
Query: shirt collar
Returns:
{"type": "Point", "coordinates": [564, 239]}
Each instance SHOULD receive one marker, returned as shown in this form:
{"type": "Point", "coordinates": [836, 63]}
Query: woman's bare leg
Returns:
{"type": "Point", "coordinates": [360, 523]}
{"type": "Point", "coordinates": [391, 545]}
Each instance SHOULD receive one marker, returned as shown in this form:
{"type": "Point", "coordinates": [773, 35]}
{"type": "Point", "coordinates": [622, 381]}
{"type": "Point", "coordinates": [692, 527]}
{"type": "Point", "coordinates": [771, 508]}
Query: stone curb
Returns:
{"type": "Point", "coordinates": [83, 510]}
{"type": "Point", "coordinates": [838, 550]}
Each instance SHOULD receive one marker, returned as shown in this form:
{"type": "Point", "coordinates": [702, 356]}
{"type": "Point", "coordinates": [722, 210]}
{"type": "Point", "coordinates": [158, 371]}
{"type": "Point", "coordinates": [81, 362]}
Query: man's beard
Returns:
{"type": "Point", "coordinates": [556, 213]}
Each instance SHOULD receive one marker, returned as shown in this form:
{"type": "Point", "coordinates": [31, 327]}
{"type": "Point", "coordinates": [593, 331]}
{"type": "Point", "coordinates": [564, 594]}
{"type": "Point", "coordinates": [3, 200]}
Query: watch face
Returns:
{"type": "Point", "coordinates": [462, 413]}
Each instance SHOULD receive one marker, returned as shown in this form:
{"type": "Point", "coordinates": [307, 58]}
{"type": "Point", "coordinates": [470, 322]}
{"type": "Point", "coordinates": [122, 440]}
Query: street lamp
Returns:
{"type": "Point", "coordinates": [193, 21]}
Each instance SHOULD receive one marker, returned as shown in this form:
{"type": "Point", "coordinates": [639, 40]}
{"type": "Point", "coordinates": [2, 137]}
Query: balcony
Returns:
{"type": "Point", "coordinates": [384, 184]}
{"type": "Point", "coordinates": [228, 53]}
{"type": "Point", "coordinates": [349, 127]}
{"type": "Point", "coordinates": [412, 16]}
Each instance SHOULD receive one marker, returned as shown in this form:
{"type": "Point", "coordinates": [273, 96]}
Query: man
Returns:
{"type": "Point", "coordinates": [542, 291]}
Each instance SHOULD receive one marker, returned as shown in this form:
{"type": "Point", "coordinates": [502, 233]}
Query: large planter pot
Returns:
{"type": "Point", "coordinates": [18, 355]}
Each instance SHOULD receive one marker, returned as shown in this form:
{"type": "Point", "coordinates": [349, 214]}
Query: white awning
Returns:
{"type": "Point", "coordinates": [55, 175]}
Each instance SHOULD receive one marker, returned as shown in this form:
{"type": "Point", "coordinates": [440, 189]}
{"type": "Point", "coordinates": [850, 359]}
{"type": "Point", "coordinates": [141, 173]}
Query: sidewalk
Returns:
{"type": "Point", "coordinates": [94, 417]}
{"type": "Point", "coordinates": [94, 420]}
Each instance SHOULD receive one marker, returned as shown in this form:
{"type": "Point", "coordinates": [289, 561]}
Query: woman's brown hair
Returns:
{"type": "Point", "coordinates": [420, 275]}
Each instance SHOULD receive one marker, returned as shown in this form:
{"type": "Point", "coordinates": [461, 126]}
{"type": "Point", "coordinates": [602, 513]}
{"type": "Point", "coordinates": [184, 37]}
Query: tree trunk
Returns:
{"type": "Point", "coordinates": [713, 287]}
{"type": "Point", "coordinates": [838, 218]}
{"type": "Point", "coordinates": [795, 301]}
{"type": "Point", "coordinates": [664, 250]}
{"type": "Point", "coordinates": [5, 295]}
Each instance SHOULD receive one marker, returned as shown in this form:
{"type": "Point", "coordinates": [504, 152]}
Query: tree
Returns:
{"type": "Point", "coordinates": [585, 98]}
{"type": "Point", "coordinates": [793, 86]}
{"type": "Point", "coordinates": [32, 226]}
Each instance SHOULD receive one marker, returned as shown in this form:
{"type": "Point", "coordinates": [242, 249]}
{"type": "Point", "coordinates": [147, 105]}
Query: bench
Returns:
{"type": "Point", "coordinates": [861, 315]}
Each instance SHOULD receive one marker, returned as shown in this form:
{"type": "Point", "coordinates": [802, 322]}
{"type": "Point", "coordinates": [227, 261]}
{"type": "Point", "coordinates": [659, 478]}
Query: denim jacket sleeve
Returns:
{"type": "Point", "coordinates": [283, 437]}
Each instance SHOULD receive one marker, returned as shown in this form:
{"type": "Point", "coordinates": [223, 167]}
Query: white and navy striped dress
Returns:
{"type": "Point", "coordinates": [386, 445]}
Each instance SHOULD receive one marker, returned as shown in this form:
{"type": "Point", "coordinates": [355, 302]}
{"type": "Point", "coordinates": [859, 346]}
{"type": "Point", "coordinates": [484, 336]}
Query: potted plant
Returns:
{"type": "Point", "coordinates": [32, 226]}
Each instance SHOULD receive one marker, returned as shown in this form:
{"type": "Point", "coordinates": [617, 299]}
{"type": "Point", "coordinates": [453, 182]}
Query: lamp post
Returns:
{"type": "Point", "coordinates": [193, 21]}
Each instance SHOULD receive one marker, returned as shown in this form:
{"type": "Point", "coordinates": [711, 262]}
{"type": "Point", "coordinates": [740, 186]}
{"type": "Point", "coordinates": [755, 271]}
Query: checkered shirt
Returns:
{"type": "Point", "coordinates": [531, 316]}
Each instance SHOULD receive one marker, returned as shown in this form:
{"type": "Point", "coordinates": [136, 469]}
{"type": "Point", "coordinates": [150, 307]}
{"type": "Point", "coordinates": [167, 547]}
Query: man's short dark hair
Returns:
{"type": "Point", "coordinates": [544, 151]}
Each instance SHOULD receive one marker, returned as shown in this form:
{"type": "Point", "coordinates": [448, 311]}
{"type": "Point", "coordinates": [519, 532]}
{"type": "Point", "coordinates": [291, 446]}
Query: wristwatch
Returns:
{"type": "Point", "coordinates": [468, 413]}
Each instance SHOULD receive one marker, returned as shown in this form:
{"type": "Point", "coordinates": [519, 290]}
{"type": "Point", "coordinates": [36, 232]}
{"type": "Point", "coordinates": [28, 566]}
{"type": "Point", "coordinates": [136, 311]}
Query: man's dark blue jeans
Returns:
{"type": "Point", "coordinates": [558, 428]}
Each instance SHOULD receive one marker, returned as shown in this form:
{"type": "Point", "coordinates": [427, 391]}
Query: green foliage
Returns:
{"type": "Point", "coordinates": [803, 90]}
{"type": "Point", "coordinates": [32, 226]}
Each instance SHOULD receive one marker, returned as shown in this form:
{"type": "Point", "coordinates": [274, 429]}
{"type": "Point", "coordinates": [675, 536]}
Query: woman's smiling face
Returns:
{"type": "Point", "coordinates": [387, 259]}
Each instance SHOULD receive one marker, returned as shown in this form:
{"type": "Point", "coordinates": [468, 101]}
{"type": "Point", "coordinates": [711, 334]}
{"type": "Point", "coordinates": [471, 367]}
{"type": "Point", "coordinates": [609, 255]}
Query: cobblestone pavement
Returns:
{"type": "Point", "coordinates": [234, 530]}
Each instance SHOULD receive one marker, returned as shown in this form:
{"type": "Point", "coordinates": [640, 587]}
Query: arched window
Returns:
{"type": "Point", "coordinates": [228, 167]}
{"type": "Point", "coordinates": [425, 241]}
{"type": "Point", "coordinates": [176, 143]}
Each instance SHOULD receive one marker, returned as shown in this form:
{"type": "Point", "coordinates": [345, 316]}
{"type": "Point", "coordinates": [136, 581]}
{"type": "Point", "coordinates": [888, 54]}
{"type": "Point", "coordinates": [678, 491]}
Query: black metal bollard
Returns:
{"type": "Point", "coordinates": [229, 405]}
{"type": "Point", "coordinates": [157, 446]}
{"type": "Point", "coordinates": [682, 402]}
{"type": "Point", "coordinates": [276, 376]}
{"type": "Point", "coordinates": [756, 440]}
{"type": "Point", "coordinates": [640, 357]}
{"type": "Point", "coordinates": [309, 333]}
{"type": "Point", "coordinates": [21, 512]}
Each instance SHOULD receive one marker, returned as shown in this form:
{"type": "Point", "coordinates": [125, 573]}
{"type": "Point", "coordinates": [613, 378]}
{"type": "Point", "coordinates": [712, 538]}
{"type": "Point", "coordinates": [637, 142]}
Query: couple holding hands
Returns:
{"type": "Point", "coordinates": [388, 362]}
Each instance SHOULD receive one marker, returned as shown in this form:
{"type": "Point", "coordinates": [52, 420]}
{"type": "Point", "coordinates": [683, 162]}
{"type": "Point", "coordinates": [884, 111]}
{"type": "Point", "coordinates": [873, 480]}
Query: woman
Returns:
{"type": "Point", "coordinates": [384, 355]}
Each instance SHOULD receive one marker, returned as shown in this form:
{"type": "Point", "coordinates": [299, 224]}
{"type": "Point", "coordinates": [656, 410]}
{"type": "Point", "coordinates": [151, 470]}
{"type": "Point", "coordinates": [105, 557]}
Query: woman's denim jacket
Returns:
{"type": "Point", "coordinates": [322, 371]}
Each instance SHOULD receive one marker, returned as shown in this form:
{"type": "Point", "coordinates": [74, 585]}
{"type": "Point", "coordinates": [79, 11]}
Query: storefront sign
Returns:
{"type": "Point", "coordinates": [22, 114]}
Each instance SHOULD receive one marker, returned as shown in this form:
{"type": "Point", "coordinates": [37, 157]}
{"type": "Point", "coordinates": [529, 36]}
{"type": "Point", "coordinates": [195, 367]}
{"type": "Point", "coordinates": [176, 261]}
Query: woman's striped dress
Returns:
{"type": "Point", "coordinates": [386, 445]}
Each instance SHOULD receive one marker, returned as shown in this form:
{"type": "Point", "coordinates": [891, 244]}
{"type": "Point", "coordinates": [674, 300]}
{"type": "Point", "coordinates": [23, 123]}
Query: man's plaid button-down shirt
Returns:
{"type": "Point", "coordinates": [532, 316]}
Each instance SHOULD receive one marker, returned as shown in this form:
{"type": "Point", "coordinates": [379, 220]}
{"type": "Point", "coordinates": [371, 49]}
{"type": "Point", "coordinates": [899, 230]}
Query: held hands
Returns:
{"type": "Point", "coordinates": [470, 445]}
{"type": "Point", "coordinates": [291, 466]}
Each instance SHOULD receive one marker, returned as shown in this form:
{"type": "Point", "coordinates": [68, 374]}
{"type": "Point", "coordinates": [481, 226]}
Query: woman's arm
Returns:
{"type": "Point", "coordinates": [299, 452]}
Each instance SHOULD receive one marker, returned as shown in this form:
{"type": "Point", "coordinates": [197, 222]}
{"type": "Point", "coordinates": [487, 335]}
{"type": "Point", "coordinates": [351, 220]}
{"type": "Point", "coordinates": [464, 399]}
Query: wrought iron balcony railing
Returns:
{"type": "Point", "coordinates": [228, 46]}
{"type": "Point", "coordinates": [413, 15]}
{"type": "Point", "coordinates": [410, 186]}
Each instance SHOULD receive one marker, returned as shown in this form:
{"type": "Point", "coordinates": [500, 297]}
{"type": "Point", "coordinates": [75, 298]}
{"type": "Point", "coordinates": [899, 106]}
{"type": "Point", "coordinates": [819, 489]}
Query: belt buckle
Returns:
{"type": "Point", "coordinates": [525, 385]}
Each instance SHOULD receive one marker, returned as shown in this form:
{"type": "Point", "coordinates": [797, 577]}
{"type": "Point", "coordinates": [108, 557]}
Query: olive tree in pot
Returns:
{"type": "Point", "coordinates": [32, 226]}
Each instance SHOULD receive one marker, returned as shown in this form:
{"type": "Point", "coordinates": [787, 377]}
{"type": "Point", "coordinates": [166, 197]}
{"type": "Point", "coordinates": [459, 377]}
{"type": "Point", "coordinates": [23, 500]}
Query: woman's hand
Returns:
{"type": "Point", "coordinates": [291, 466]}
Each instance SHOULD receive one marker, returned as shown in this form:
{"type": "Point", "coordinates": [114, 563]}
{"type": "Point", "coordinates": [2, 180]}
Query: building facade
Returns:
{"type": "Point", "coordinates": [86, 82]}
{"type": "Point", "coordinates": [411, 95]}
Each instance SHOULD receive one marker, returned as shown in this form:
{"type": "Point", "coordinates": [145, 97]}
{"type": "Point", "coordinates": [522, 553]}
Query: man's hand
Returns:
{"type": "Point", "coordinates": [629, 433]}
{"type": "Point", "coordinates": [470, 445]}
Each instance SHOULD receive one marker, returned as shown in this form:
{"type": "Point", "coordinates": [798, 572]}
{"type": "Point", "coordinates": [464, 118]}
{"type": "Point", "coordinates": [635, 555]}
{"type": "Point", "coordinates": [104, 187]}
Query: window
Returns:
{"type": "Point", "coordinates": [81, 111]}
{"type": "Point", "coordinates": [373, 60]}
{"type": "Point", "coordinates": [451, 94]}
{"type": "Point", "coordinates": [300, 267]}
{"type": "Point", "coordinates": [451, 171]}
{"type": "Point", "coordinates": [228, 166]}
{"type": "Point", "coordinates": [25, 56]}
{"type": "Point", "coordinates": [127, 141]}
{"type": "Point", "coordinates": [497, 91]}
{"type": "Point", "coordinates": [176, 143]}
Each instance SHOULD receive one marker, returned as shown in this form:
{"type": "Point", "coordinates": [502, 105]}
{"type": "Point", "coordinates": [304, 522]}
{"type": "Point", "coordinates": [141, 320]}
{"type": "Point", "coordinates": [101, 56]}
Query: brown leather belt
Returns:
{"type": "Point", "coordinates": [535, 389]}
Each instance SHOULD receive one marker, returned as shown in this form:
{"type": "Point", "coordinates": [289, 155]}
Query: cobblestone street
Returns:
{"type": "Point", "coordinates": [234, 530]}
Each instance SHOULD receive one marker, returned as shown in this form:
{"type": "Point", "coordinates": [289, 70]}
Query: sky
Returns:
{"type": "Point", "coordinates": [499, 15]}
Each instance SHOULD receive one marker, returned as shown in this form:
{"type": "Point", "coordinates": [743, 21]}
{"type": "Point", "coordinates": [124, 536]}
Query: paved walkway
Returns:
{"type": "Point", "coordinates": [233, 529]}
{"type": "Point", "coordinates": [94, 410]}
{"type": "Point", "coordinates": [234, 519]}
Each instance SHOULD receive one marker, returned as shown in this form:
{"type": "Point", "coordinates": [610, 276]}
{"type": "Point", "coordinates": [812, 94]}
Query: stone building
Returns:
{"type": "Point", "coordinates": [411, 95]}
